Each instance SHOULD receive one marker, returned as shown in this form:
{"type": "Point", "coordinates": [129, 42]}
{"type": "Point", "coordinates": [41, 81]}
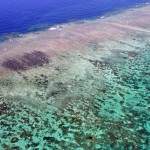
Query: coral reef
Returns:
{"type": "Point", "coordinates": [28, 60]}
{"type": "Point", "coordinates": [96, 97]}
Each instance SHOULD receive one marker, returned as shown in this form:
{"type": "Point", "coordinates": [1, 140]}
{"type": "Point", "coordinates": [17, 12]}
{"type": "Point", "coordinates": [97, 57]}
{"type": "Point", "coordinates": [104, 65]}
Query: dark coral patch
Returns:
{"type": "Point", "coordinates": [14, 140]}
{"type": "Point", "coordinates": [34, 59]}
{"type": "Point", "coordinates": [14, 64]}
{"type": "Point", "coordinates": [28, 60]}
{"type": "Point", "coordinates": [4, 107]}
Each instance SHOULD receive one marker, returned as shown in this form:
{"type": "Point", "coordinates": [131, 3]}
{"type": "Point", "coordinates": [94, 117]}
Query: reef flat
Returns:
{"type": "Point", "coordinates": [78, 86]}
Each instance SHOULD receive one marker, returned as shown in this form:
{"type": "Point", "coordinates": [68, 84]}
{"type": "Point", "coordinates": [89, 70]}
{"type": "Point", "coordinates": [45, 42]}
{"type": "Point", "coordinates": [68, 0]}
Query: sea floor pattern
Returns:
{"type": "Point", "coordinates": [107, 109]}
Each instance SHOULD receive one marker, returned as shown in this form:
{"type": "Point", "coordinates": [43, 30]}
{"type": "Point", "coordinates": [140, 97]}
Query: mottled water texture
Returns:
{"type": "Point", "coordinates": [91, 95]}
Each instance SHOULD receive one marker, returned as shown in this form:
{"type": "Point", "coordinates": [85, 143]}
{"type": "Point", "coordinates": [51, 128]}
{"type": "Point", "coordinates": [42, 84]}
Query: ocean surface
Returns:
{"type": "Point", "coordinates": [21, 16]}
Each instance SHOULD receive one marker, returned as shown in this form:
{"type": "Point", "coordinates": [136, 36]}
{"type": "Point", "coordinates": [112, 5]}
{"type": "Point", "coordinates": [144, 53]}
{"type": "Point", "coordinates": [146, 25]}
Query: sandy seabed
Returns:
{"type": "Point", "coordinates": [78, 86]}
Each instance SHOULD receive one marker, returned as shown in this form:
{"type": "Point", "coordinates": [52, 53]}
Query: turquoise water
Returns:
{"type": "Point", "coordinates": [113, 114]}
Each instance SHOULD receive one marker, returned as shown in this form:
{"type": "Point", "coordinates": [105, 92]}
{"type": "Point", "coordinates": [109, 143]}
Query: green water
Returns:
{"type": "Point", "coordinates": [109, 115]}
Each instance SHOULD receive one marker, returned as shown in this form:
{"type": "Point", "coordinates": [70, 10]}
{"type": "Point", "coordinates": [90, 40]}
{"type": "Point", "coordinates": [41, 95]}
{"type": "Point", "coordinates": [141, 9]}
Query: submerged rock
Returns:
{"type": "Point", "coordinates": [14, 140]}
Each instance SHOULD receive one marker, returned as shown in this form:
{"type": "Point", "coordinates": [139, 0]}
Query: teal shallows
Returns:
{"type": "Point", "coordinates": [109, 116]}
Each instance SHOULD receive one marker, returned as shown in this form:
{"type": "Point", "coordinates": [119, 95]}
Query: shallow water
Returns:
{"type": "Point", "coordinates": [109, 113]}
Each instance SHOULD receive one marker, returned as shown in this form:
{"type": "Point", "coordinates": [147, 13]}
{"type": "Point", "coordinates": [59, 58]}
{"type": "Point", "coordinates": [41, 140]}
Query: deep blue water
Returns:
{"type": "Point", "coordinates": [30, 15]}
